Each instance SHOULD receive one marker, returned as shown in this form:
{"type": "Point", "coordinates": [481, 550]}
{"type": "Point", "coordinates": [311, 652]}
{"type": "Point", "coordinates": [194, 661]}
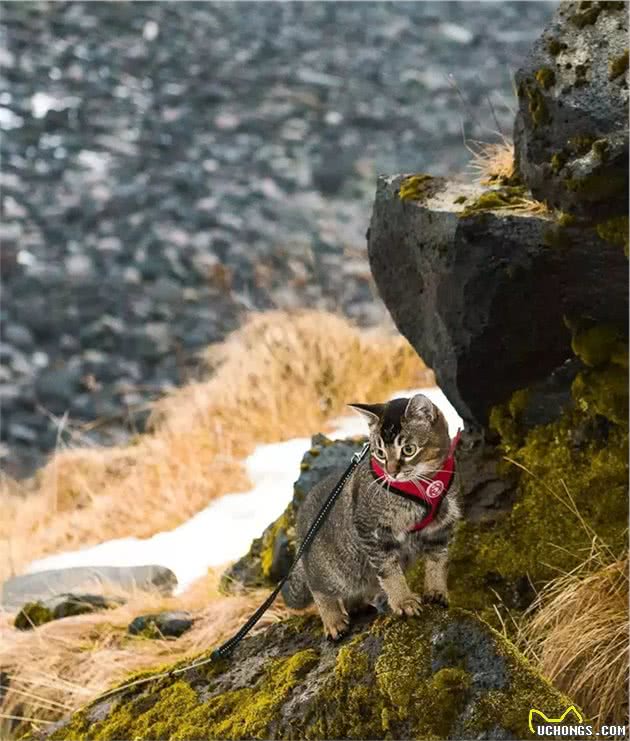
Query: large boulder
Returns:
{"type": "Point", "coordinates": [481, 283]}
{"type": "Point", "coordinates": [43, 585]}
{"type": "Point", "coordinates": [571, 131]}
{"type": "Point", "coordinates": [441, 675]}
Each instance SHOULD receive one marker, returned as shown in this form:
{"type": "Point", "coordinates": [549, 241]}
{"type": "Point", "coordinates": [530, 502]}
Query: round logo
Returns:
{"type": "Point", "coordinates": [435, 489]}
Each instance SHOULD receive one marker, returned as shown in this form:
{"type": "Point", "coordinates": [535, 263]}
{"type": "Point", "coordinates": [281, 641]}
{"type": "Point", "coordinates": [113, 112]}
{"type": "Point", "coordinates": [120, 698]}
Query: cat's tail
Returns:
{"type": "Point", "coordinates": [295, 592]}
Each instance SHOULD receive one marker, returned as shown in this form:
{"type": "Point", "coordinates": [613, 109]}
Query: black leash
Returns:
{"type": "Point", "coordinates": [232, 642]}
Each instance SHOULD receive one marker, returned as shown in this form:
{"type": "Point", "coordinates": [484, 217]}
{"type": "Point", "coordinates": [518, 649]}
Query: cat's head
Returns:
{"type": "Point", "coordinates": [408, 437]}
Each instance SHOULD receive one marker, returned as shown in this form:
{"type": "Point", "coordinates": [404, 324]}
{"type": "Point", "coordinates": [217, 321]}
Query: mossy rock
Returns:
{"type": "Point", "coordinates": [571, 130]}
{"type": "Point", "coordinates": [419, 187]}
{"type": "Point", "coordinates": [34, 614]}
{"type": "Point", "coordinates": [444, 674]}
{"type": "Point", "coordinates": [571, 482]}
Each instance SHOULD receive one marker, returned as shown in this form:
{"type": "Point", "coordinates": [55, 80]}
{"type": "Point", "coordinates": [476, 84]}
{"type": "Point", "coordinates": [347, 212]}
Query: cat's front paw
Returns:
{"type": "Point", "coordinates": [408, 605]}
{"type": "Point", "coordinates": [336, 628]}
{"type": "Point", "coordinates": [436, 597]}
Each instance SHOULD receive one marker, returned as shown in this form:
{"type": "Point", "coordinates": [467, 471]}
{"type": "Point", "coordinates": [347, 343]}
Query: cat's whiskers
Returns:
{"type": "Point", "coordinates": [376, 482]}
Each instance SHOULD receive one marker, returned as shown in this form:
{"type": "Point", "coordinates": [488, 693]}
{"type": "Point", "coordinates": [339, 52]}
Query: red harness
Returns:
{"type": "Point", "coordinates": [429, 494]}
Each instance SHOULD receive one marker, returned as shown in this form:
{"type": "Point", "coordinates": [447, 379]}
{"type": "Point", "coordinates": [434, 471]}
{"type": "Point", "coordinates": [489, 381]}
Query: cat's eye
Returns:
{"type": "Point", "coordinates": [409, 450]}
{"type": "Point", "coordinates": [379, 453]}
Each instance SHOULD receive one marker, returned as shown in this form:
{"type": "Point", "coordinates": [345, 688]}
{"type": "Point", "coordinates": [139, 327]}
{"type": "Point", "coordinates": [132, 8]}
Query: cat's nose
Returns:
{"type": "Point", "coordinates": [391, 467]}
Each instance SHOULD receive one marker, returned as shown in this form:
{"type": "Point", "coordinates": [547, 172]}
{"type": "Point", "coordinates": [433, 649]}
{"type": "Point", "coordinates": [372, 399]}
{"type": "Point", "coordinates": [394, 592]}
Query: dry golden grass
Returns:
{"type": "Point", "coordinates": [578, 635]}
{"type": "Point", "coordinates": [63, 665]}
{"type": "Point", "coordinates": [282, 375]}
{"type": "Point", "coordinates": [492, 163]}
{"type": "Point", "coordinates": [576, 632]}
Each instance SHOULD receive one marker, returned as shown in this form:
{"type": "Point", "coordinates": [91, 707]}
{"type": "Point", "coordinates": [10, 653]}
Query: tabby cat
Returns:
{"type": "Point", "coordinates": [375, 530]}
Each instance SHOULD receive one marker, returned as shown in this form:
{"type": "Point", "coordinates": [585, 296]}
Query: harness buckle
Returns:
{"type": "Point", "coordinates": [360, 453]}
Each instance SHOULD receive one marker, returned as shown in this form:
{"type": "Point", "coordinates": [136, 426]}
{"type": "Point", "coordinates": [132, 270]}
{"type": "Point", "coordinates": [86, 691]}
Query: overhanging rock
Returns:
{"type": "Point", "coordinates": [483, 289]}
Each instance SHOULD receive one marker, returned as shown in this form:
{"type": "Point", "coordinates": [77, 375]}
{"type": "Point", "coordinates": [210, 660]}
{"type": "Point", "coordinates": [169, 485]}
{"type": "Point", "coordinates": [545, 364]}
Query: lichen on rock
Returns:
{"type": "Point", "coordinates": [572, 87]}
{"type": "Point", "coordinates": [418, 187]}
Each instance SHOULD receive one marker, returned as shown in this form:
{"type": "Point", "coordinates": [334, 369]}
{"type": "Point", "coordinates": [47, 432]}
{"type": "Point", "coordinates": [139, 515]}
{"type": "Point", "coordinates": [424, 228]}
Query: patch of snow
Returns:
{"type": "Point", "coordinates": [223, 531]}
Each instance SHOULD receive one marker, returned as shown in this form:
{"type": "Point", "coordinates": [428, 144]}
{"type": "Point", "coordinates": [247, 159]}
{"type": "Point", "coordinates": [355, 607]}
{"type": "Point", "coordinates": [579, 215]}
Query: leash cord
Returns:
{"type": "Point", "coordinates": [232, 642]}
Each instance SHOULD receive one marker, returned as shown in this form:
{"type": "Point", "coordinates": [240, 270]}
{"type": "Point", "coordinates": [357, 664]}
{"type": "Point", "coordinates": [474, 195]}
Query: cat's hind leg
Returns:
{"type": "Point", "coordinates": [333, 614]}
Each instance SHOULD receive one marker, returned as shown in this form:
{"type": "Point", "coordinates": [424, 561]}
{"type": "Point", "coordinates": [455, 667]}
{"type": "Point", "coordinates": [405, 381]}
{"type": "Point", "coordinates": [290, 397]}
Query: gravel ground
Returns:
{"type": "Point", "coordinates": [168, 167]}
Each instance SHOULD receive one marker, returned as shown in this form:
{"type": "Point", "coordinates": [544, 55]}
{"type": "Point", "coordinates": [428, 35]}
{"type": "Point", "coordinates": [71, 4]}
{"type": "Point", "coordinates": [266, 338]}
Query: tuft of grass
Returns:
{"type": "Point", "coordinates": [492, 163]}
{"type": "Point", "coordinates": [577, 634]}
{"type": "Point", "coordinates": [282, 375]}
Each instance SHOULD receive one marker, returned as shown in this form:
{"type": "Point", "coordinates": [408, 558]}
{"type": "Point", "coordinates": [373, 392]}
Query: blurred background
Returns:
{"type": "Point", "coordinates": [169, 167]}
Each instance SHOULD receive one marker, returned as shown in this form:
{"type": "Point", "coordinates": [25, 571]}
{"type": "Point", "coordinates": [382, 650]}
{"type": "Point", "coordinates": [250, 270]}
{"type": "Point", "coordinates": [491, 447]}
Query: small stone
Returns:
{"type": "Point", "coordinates": [22, 433]}
{"type": "Point", "coordinates": [110, 244]}
{"type": "Point", "coordinates": [57, 386]}
{"type": "Point", "coordinates": [456, 33]}
{"type": "Point", "coordinates": [161, 625]}
{"type": "Point", "coordinates": [18, 335]}
{"type": "Point", "coordinates": [78, 266]}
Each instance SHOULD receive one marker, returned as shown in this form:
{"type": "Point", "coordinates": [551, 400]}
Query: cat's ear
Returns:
{"type": "Point", "coordinates": [372, 412]}
{"type": "Point", "coordinates": [420, 406]}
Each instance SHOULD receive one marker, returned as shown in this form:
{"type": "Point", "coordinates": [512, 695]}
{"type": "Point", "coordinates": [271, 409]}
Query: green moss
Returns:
{"type": "Point", "coordinates": [587, 14]}
{"type": "Point", "coordinates": [618, 66]}
{"type": "Point", "coordinates": [416, 187]}
{"type": "Point", "coordinates": [536, 105]}
{"type": "Point", "coordinates": [615, 230]}
{"type": "Point", "coordinates": [581, 71]}
{"type": "Point", "coordinates": [581, 144]}
{"type": "Point", "coordinates": [460, 199]}
{"type": "Point", "coordinates": [603, 393]}
{"type": "Point", "coordinates": [554, 47]}
{"type": "Point", "coordinates": [565, 219]}
{"type": "Point", "coordinates": [596, 345]}
{"type": "Point", "coordinates": [149, 632]}
{"type": "Point", "coordinates": [269, 540]}
{"type": "Point", "coordinates": [32, 615]}
{"type": "Point", "coordinates": [600, 148]}
{"type": "Point", "coordinates": [495, 200]}
{"type": "Point", "coordinates": [557, 236]}
{"type": "Point", "coordinates": [558, 161]}
{"type": "Point", "coordinates": [546, 77]}
{"type": "Point", "coordinates": [239, 713]}
{"type": "Point", "coordinates": [370, 696]}
{"type": "Point", "coordinates": [498, 562]}
{"type": "Point", "coordinates": [597, 187]}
